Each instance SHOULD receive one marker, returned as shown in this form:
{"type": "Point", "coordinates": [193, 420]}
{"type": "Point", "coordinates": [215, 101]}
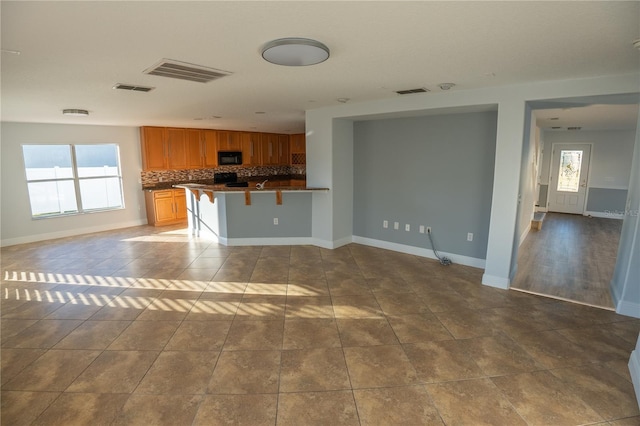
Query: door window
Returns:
{"type": "Point", "coordinates": [569, 173]}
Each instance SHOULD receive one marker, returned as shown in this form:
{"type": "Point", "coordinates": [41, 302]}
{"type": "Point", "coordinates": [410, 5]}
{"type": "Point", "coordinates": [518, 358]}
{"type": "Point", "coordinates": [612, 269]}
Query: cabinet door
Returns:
{"type": "Point", "coordinates": [153, 148]}
{"type": "Point", "coordinates": [176, 149]}
{"type": "Point", "coordinates": [269, 149]}
{"type": "Point", "coordinates": [210, 145]}
{"type": "Point", "coordinates": [283, 149]}
{"type": "Point", "coordinates": [194, 148]}
{"type": "Point", "coordinates": [229, 141]}
{"type": "Point", "coordinates": [297, 143]}
{"type": "Point", "coordinates": [180, 198]}
{"type": "Point", "coordinates": [298, 149]}
{"type": "Point", "coordinates": [163, 206]}
{"type": "Point", "coordinates": [251, 149]}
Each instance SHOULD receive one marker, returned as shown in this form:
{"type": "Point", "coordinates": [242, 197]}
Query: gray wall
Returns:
{"type": "Point", "coordinates": [256, 220]}
{"type": "Point", "coordinates": [435, 171]}
{"type": "Point", "coordinates": [607, 200]}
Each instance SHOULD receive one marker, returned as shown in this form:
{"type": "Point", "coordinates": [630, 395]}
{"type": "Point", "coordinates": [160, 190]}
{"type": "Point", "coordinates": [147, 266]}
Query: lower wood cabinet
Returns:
{"type": "Point", "coordinates": [166, 207]}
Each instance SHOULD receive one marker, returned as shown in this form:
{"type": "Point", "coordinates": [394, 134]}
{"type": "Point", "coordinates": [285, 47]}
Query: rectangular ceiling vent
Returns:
{"type": "Point", "coordinates": [133, 87]}
{"type": "Point", "coordinates": [409, 91]}
{"type": "Point", "coordinates": [574, 128]}
{"type": "Point", "coordinates": [184, 71]}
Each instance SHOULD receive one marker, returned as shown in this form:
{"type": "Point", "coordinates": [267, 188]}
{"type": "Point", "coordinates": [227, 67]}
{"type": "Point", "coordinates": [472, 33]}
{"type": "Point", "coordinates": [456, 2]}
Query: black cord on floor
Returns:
{"type": "Point", "coordinates": [443, 259]}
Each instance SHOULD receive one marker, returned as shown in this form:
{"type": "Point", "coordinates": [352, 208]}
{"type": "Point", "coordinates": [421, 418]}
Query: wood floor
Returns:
{"type": "Point", "coordinates": [571, 258]}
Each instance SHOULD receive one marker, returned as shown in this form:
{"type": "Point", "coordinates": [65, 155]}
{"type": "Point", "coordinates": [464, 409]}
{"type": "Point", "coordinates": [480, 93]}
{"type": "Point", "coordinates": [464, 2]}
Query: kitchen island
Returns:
{"type": "Point", "coordinates": [251, 216]}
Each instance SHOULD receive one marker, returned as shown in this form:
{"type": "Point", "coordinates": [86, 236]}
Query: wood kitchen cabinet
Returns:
{"type": "Point", "coordinates": [229, 141]}
{"type": "Point", "coordinates": [283, 149]}
{"type": "Point", "coordinates": [298, 149]}
{"type": "Point", "coordinates": [153, 148]}
{"type": "Point", "coordinates": [269, 145]}
{"type": "Point", "coordinates": [251, 148]}
{"type": "Point", "coordinates": [195, 150]}
{"type": "Point", "coordinates": [210, 148]}
{"type": "Point", "coordinates": [202, 148]}
{"type": "Point", "coordinates": [275, 149]}
{"type": "Point", "coordinates": [164, 148]}
{"type": "Point", "coordinates": [166, 207]}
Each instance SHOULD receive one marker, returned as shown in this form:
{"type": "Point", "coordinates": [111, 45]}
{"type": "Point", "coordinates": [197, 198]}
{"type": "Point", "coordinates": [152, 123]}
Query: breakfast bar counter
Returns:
{"type": "Point", "coordinates": [251, 216]}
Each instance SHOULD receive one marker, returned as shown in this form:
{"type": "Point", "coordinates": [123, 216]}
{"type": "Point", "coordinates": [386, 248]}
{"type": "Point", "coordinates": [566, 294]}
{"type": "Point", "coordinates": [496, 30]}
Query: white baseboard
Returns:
{"type": "Point", "coordinates": [495, 281]}
{"type": "Point", "coordinates": [524, 234]}
{"type": "Point", "coordinates": [70, 233]}
{"type": "Point", "coordinates": [629, 309]}
{"type": "Point", "coordinates": [419, 251]}
{"type": "Point", "coordinates": [634, 369]}
{"type": "Point", "coordinates": [267, 241]}
{"type": "Point", "coordinates": [604, 215]}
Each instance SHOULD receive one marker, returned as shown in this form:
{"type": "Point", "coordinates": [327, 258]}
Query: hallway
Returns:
{"type": "Point", "coordinates": [571, 258]}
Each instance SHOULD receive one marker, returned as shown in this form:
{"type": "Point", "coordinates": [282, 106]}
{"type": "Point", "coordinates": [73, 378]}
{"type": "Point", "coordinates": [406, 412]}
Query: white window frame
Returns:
{"type": "Point", "coordinates": [76, 182]}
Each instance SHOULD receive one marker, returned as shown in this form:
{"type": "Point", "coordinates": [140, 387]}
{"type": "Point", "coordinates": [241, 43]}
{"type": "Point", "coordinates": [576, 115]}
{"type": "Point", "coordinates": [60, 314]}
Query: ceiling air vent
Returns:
{"type": "Point", "coordinates": [409, 91]}
{"type": "Point", "coordinates": [133, 87]}
{"type": "Point", "coordinates": [574, 128]}
{"type": "Point", "coordinates": [184, 71]}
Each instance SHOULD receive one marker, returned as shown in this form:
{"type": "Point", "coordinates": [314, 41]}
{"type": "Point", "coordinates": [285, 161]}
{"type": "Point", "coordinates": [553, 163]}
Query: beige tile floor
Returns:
{"type": "Point", "coordinates": [149, 326]}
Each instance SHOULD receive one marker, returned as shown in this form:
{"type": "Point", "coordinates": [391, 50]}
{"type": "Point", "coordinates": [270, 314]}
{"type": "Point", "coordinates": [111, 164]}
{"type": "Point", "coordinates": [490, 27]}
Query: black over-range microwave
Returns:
{"type": "Point", "coordinates": [226, 158]}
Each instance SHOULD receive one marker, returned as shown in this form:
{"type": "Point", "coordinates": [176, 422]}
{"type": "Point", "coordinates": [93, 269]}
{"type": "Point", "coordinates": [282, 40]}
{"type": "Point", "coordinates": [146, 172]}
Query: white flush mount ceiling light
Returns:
{"type": "Point", "coordinates": [75, 112]}
{"type": "Point", "coordinates": [295, 52]}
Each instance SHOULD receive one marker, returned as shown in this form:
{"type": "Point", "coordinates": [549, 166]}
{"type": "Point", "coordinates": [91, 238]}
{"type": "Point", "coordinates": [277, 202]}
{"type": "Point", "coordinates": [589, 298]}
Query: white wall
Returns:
{"type": "Point", "coordinates": [528, 176]}
{"type": "Point", "coordinates": [18, 227]}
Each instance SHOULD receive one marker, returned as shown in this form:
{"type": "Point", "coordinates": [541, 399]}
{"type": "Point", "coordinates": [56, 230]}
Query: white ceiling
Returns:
{"type": "Point", "coordinates": [73, 53]}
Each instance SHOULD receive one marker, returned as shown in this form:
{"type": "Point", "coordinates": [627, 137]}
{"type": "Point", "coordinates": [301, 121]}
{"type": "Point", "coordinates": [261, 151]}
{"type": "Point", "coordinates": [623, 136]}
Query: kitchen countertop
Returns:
{"type": "Point", "coordinates": [223, 188]}
{"type": "Point", "coordinates": [209, 182]}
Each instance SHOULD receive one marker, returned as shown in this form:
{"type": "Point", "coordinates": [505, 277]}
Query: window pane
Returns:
{"type": "Point", "coordinates": [49, 198]}
{"type": "Point", "coordinates": [47, 161]}
{"type": "Point", "coordinates": [569, 174]}
{"type": "Point", "coordinates": [100, 193]}
{"type": "Point", "coordinates": [97, 160]}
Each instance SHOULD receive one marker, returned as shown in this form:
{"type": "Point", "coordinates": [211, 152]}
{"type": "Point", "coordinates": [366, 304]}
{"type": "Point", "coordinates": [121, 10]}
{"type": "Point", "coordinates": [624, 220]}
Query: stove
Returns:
{"type": "Point", "coordinates": [230, 179]}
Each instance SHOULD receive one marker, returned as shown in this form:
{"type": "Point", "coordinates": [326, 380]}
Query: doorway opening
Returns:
{"type": "Point", "coordinates": [582, 178]}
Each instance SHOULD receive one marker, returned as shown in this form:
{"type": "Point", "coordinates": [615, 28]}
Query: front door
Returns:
{"type": "Point", "coordinates": [568, 178]}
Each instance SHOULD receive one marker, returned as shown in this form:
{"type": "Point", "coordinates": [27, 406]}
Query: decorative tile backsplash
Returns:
{"type": "Point", "coordinates": [150, 179]}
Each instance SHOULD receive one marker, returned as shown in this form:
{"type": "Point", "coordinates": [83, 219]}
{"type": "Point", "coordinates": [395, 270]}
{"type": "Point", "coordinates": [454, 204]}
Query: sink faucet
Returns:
{"type": "Point", "coordinates": [261, 185]}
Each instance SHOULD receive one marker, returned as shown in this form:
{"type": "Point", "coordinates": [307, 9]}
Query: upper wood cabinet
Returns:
{"type": "Point", "coordinates": [269, 146]}
{"type": "Point", "coordinates": [251, 148]}
{"type": "Point", "coordinates": [283, 149]}
{"type": "Point", "coordinates": [167, 148]}
{"type": "Point", "coordinates": [229, 141]}
{"type": "Point", "coordinates": [163, 148]}
{"type": "Point", "coordinates": [195, 150]}
{"type": "Point", "coordinates": [210, 147]}
{"type": "Point", "coordinates": [298, 149]}
{"type": "Point", "coordinates": [177, 152]}
{"type": "Point", "coordinates": [154, 150]}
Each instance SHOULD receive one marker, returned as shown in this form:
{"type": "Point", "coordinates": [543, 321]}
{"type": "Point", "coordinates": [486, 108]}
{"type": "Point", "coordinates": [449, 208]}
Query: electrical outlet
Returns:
{"type": "Point", "coordinates": [385, 223]}
{"type": "Point", "coordinates": [428, 229]}
{"type": "Point", "coordinates": [470, 236]}
{"type": "Point", "coordinates": [407, 227]}
{"type": "Point", "coordinates": [421, 229]}
{"type": "Point", "coordinates": [275, 220]}
{"type": "Point", "coordinates": [396, 225]}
